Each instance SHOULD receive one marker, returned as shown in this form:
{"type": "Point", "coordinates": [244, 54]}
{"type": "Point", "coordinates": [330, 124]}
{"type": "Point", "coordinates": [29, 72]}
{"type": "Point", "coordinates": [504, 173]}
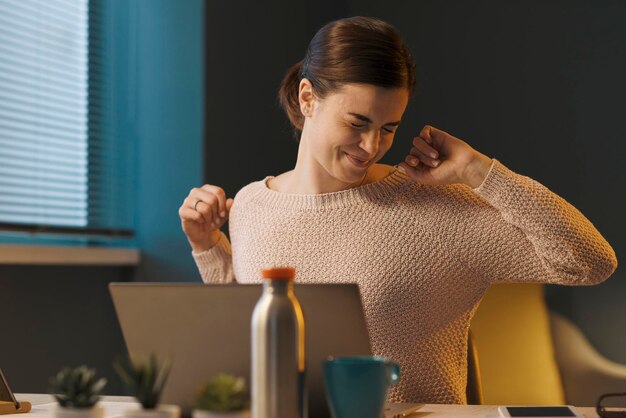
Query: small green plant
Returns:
{"type": "Point", "coordinates": [223, 393]}
{"type": "Point", "coordinates": [143, 378]}
{"type": "Point", "coordinates": [76, 387]}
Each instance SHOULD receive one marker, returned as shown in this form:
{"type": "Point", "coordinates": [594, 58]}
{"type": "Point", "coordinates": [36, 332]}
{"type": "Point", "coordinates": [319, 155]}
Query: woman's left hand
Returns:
{"type": "Point", "coordinates": [454, 160]}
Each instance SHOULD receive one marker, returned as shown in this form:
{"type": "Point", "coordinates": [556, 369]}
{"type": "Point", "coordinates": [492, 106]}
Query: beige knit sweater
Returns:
{"type": "Point", "coordinates": [423, 257]}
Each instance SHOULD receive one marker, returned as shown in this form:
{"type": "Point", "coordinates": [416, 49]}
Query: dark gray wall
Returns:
{"type": "Point", "coordinates": [56, 316]}
{"type": "Point", "coordinates": [540, 86]}
{"type": "Point", "coordinates": [250, 46]}
{"type": "Point", "coordinates": [537, 85]}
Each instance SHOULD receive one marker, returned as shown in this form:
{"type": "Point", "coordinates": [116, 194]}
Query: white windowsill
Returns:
{"type": "Point", "coordinates": [59, 255]}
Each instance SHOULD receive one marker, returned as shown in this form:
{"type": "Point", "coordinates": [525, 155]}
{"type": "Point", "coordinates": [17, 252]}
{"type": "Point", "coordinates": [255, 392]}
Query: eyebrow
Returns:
{"type": "Point", "coordinates": [368, 120]}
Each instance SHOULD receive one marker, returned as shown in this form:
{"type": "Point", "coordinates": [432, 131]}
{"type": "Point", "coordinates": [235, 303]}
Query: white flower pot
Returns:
{"type": "Point", "coordinates": [200, 413]}
{"type": "Point", "coordinates": [65, 412]}
{"type": "Point", "coordinates": [161, 411]}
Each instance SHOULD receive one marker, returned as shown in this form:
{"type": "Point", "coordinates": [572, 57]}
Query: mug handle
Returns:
{"type": "Point", "coordinates": [393, 371]}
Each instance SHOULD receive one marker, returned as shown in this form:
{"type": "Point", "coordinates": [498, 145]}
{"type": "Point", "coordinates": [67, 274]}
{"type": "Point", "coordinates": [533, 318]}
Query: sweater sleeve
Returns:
{"type": "Point", "coordinates": [533, 235]}
{"type": "Point", "coordinates": [216, 264]}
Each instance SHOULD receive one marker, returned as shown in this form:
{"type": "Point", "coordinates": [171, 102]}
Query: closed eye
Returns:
{"type": "Point", "coordinates": [360, 126]}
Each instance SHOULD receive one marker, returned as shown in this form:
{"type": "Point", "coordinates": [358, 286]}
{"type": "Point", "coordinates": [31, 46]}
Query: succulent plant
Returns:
{"type": "Point", "coordinates": [223, 393]}
{"type": "Point", "coordinates": [77, 387]}
{"type": "Point", "coordinates": [144, 378]}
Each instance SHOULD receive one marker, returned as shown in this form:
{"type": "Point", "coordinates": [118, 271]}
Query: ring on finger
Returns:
{"type": "Point", "coordinates": [195, 207]}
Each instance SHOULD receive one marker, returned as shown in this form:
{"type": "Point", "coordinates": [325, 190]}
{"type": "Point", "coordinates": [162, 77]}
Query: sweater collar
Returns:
{"type": "Point", "coordinates": [381, 189]}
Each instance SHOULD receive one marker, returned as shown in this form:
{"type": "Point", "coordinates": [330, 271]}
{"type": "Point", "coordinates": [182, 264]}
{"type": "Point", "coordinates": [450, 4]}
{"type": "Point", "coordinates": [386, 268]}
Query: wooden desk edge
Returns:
{"type": "Point", "coordinates": [429, 410]}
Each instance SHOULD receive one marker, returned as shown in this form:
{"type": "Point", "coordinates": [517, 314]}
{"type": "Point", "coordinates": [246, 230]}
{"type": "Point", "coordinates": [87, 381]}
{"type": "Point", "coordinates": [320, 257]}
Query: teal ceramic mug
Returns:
{"type": "Point", "coordinates": [356, 387]}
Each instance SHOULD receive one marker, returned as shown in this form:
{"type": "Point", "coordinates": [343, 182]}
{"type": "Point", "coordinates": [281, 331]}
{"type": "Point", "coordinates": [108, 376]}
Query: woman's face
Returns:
{"type": "Point", "coordinates": [352, 129]}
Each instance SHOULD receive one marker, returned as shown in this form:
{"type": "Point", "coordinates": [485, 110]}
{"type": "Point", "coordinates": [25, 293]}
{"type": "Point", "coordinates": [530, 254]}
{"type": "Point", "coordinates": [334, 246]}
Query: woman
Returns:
{"type": "Point", "coordinates": [424, 239]}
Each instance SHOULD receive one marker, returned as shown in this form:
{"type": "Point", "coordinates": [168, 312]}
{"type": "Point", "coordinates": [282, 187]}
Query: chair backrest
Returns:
{"type": "Point", "coordinates": [474, 391]}
{"type": "Point", "coordinates": [511, 332]}
{"type": "Point", "coordinates": [586, 373]}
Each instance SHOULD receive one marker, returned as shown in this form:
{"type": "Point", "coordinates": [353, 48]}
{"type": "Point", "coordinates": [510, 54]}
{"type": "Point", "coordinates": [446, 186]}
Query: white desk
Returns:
{"type": "Point", "coordinates": [42, 405]}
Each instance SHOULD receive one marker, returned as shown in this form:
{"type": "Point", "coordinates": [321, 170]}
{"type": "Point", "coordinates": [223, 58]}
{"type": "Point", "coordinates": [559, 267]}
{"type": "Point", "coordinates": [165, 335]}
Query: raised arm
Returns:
{"type": "Point", "coordinates": [524, 232]}
{"type": "Point", "coordinates": [204, 211]}
{"type": "Point", "coordinates": [506, 227]}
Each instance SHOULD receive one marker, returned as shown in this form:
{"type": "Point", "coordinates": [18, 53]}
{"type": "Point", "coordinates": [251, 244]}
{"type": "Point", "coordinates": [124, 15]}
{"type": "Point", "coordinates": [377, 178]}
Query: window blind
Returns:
{"type": "Point", "coordinates": [43, 112]}
{"type": "Point", "coordinates": [65, 167]}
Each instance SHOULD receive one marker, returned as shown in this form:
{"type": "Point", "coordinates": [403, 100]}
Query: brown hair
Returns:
{"type": "Point", "coordinates": [356, 49]}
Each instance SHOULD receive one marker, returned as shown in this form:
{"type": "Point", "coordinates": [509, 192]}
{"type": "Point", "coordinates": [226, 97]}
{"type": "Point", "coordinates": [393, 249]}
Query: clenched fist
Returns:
{"type": "Point", "coordinates": [436, 157]}
{"type": "Point", "coordinates": [202, 214]}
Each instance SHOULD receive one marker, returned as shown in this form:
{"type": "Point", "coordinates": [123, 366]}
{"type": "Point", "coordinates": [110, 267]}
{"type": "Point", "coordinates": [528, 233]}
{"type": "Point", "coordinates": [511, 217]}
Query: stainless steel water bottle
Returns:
{"type": "Point", "coordinates": [278, 355]}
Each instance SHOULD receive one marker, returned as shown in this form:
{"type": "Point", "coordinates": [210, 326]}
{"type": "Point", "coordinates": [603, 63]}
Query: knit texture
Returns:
{"type": "Point", "coordinates": [423, 257]}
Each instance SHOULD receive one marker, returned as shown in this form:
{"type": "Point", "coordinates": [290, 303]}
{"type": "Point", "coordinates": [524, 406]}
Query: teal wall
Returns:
{"type": "Point", "coordinates": [170, 113]}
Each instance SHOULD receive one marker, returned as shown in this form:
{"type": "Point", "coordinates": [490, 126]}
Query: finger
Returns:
{"type": "Point", "coordinates": [198, 206]}
{"type": "Point", "coordinates": [425, 134]}
{"type": "Point", "coordinates": [229, 204]}
{"type": "Point", "coordinates": [189, 215]}
{"type": "Point", "coordinates": [194, 196]}
{"type": "Point", "coordinates": [412, 161]}
{"type": "Point", "coordinates": [189, 202]}
{"type": "Point", "coordinates": [434, 137]}
{"type": "Point", "coordinates": [221, 197]}
{"type": "Point", "coordinates": [204, 207]}
{"type": "Point", "coordinates": [410, 171]}
{"type": "Point", "coordinates": [213, 209]}
{"type": "Point", "coordinates": [192, 201]}
{"type": "Point", "coordinates": [421, 144]}
{"type": "Point", "coordinates": [434, 162]}
{"type": "Point", "coordinates": [211, 200]}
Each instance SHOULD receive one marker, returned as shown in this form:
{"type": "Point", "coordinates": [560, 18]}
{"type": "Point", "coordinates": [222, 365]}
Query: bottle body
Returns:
{"type": "Point", "coordinates": [278, 358]}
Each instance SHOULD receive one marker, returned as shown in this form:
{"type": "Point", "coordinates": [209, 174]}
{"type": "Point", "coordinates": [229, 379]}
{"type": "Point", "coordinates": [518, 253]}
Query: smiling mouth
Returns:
{"type": "Point", "coordinates": [356, 160]}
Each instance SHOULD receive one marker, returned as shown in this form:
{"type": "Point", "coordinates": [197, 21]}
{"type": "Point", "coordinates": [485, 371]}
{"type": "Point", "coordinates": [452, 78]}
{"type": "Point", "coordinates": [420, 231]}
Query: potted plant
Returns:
{"type": "Point", "coordinates": [224, 396]}
{"type": "Point", "coordinates": [77, 390]}
{"type": "Point", "coordinates": [145, 380]}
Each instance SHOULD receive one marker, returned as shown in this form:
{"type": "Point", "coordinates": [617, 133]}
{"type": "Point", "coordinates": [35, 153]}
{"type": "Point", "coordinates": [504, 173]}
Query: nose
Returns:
{"type": "Point", "coordinates": [370, 142]}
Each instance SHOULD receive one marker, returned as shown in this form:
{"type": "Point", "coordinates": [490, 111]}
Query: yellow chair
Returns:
{"type": "Point", "coordinates": [474, 390]}
{"type": "Point", "coordinates": [511, 333]}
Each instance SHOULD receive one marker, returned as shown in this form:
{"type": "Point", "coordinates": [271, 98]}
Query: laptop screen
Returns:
{"type": "Point", "coordinates": [205, 329]}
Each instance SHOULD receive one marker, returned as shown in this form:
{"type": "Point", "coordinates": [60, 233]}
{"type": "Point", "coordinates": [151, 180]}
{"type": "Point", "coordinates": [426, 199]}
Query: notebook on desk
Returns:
{"type": "Point", "coordinates": [206, 329]}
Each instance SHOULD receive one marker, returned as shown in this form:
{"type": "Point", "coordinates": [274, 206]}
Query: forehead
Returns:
{"type": "Point", "coordinates": [367, 99]}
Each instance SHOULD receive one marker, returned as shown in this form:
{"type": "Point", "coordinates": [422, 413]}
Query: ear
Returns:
{"type": "Point", "coordinates": [306, 96]}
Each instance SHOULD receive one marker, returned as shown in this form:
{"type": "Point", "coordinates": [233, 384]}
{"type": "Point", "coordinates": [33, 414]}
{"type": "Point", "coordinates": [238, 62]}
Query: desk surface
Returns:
{"type": "Point", "coordinates": [41, 408]}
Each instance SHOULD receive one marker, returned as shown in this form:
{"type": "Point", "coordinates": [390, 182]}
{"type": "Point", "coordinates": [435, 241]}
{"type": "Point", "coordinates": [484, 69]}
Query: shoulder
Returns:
{"type": "Point", "coordinates": [247, 192]}
{"type": "Point", "coordinates": [277, 183]}
{"type": "Point", "coordinates": [379, 171]}
{"type": "Point", "coordinates": [449, 200]}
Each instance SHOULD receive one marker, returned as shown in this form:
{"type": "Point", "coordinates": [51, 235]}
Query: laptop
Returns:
{"type": "Point", "coordinates": [205, 329]}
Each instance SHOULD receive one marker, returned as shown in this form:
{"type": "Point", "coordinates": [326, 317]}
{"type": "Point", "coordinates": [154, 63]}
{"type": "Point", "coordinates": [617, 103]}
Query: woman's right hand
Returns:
{"type": "Point", "coordinates": [202, 214]}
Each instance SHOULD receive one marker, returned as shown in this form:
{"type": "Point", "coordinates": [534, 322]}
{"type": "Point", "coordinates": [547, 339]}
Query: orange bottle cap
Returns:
{"type": "Point", "coordinates": [280, 273]}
